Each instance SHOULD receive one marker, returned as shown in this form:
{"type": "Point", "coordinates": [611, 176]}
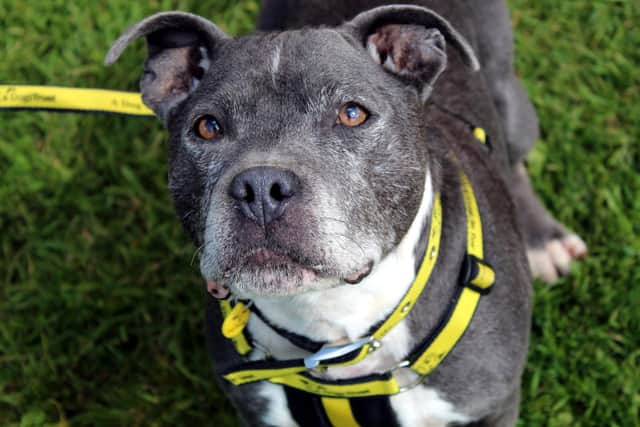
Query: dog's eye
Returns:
{"type": "Point", "coordinates": [207, 127]}
{"type": "Point", "coordinates": [351, 114]}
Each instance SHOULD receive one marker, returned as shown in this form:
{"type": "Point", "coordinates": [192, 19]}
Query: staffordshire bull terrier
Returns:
{"type": "Point", "coordinates": [352, 176]}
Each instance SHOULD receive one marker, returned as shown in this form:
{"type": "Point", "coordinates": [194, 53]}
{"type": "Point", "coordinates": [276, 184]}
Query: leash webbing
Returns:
{"type": "Point", "coordinates": [67, 99]}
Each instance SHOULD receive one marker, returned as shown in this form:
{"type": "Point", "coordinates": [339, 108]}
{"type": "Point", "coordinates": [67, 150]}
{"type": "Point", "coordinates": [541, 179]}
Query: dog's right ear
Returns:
{"type": "Point", "coordinates": [180, 47]}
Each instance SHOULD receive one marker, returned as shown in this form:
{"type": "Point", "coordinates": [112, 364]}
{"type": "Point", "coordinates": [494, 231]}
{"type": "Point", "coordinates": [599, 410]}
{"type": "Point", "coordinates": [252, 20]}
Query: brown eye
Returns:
{"type": "Point", "coordinates": [351, 114]}
{"type": "Point", "coordinates": [207, 127]}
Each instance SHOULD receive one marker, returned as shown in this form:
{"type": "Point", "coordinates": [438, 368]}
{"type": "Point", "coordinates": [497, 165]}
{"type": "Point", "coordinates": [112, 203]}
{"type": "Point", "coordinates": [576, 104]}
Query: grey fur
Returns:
{"type": "Point", "coordinates": [486, 25]}
{"type": "Point", "coordinates": [495, 46]}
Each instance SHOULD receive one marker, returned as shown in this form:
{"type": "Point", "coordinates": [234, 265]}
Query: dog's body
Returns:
{"type": "Point", "coordinates": [290, 205]}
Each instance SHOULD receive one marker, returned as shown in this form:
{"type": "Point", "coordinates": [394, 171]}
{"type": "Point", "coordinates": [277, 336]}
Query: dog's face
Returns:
{"type": "Point", "coordinates": [296, 158]}
{"type": "Point", "coordinates": [303, 181]}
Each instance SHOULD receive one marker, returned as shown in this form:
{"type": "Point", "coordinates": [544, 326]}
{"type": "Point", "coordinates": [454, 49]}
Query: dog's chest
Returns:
{"type": "Point", "coordinates": [419, 407]}
{"type": "Point", "coordinates": [348, 313]}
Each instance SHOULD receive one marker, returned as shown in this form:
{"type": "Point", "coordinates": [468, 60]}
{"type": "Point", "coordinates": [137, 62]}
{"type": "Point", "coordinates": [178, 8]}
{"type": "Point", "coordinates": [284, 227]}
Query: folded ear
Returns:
{"type": "Point", "coordinates": [410, 41]}
{"type": "Point", "coordinates": [180, 46]}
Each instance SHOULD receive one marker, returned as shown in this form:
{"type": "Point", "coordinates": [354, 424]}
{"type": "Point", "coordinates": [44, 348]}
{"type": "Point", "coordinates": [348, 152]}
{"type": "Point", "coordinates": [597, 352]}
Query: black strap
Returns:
{"type": "Point", "coordinates": [375, 411]}
{"type": "Point", "coordinates": [308, 344]}
{"type": "Point", "coordinates": [487, 143]}
{"type": "Point", "coordinates": [298, 340]}
{"type": "Point", "coordinates": [307, 410]}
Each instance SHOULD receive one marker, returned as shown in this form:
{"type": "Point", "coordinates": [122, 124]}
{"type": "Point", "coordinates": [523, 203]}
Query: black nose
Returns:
{"type": "Point", "coordinates": [264, 192]}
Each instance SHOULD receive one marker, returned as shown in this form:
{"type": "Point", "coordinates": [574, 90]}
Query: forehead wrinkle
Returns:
{"type": "Point", "coordinates": [275, 62]}
{"type": "Point", "coordinates": [228, 98]}
{"type": "Point", "coordinates": [308, 76]}
{"type": "Point", "coordinates": [324, 98]}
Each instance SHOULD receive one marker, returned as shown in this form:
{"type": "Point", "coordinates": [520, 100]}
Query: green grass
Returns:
{"type": "Point", "coordinates": [101, 312]}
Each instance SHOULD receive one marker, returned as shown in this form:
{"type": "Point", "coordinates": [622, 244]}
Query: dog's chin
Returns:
{"type": "Point", "coordinates": [267, 273]}
{"type": "Point", "coordinates": [274, 280]}
{"type": "Point", "coordinates": [286, 279]}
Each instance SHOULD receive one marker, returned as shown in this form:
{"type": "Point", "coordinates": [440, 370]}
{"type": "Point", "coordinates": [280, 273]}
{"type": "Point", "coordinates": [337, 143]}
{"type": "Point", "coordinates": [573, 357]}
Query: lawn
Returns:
{"type": "Point", "coordinates": [101, 302]}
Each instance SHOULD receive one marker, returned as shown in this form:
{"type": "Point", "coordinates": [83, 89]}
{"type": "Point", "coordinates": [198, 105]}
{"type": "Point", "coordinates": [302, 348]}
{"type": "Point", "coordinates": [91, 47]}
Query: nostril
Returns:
{"type": "Point", "coordinates": [249, 195]}
{"type": "Point", "coordinates": [276, 192]}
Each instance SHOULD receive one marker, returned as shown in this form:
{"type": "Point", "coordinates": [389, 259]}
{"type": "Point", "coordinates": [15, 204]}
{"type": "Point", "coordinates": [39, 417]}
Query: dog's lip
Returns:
{"type": "Point", "coordinates": [217, 290]}
{"type": "Point", "coordinates": [265, 257]}
{"type": "Point", "coordinates": [359, 275]}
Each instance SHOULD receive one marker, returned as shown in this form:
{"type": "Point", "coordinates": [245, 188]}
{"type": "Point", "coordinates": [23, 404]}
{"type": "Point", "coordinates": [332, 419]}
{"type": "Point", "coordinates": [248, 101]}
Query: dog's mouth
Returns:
{"type": "Point", "coordinates": [268, 272]}
{"type": "Point", "coordinates": [264, 261]}
{"type": "Point", "coordinates": [263, 257]}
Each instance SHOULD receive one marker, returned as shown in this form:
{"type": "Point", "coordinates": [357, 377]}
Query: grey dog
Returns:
{"type": "Point", "coordinates": [305, 161]}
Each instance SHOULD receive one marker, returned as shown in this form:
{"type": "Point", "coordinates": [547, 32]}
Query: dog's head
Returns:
{"type": "Point", "coordinates": [297, 159]}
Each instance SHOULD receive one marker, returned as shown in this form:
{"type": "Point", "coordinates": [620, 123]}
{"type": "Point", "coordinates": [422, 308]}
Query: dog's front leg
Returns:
{"type": "Point", "coordinates": [550, 246]}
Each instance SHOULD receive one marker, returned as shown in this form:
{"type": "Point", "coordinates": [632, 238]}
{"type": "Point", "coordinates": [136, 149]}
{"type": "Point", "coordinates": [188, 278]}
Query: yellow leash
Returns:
{"type": "Point", "coordinates": [27, 97]}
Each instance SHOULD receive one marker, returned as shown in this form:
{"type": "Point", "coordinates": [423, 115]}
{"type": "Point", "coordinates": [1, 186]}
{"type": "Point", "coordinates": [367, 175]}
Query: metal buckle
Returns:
{"type": "Point", "coordinates": [334, 351]}
{"type": "Point", "coordinates": [405, 365]}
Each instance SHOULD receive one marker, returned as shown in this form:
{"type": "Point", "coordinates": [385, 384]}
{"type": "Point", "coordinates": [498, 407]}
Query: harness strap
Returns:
{"type": "Point", "coordinates": [298, 340]}
{"type": "Point", "coordinates": [369, 385]}
{"type": "Point", "coordinates": [476, 279]}
{"type": "Point", "coordinates": [256, 370]}
{"type": "Point", "coordinates": [339, 412]}
{"type": "Point", "coordinates": [310, 410]}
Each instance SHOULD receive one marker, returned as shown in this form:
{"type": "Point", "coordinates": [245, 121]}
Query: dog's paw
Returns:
{"type": "Point", "coordinates": [553, 260]}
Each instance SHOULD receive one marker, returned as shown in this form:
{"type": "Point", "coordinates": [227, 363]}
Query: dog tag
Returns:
{"type": "Point", "coordinates": [480, 135]}
{"type": "Point", "coordinates": [235, 322]}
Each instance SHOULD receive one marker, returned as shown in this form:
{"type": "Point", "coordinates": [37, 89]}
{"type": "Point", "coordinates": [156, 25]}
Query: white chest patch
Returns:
{"type": "Point", "coordinates": [424, 407]}
{"type": "Point", "coordinates": [277, 413]}
{"type": "Point", "coordinates": [349, 311]}
{"type": "Point", "coordinates": [419, 407]}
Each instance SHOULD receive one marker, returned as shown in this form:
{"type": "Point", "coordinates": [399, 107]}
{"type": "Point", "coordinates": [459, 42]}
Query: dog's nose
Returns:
{"type": "Point", "coordinates": [264, 192]}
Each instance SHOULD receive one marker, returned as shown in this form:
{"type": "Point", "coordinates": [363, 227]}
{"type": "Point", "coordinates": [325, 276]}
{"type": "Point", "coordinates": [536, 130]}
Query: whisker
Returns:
{"type": "Point", "coordinates": [196, 252]}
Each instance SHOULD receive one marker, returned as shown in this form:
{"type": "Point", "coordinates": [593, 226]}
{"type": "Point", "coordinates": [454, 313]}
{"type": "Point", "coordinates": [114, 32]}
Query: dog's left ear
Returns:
{"type": "Point", "coordinates": [409, 41]}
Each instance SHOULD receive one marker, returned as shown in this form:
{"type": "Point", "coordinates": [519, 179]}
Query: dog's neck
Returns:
{"type": "Point", "coordinates": [349, 311]}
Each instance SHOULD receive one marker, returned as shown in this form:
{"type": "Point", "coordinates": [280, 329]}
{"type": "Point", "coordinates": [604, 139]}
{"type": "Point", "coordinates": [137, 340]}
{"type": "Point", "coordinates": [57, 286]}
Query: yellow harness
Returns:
{"type": "Point", "coordinates": [476, 279]}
